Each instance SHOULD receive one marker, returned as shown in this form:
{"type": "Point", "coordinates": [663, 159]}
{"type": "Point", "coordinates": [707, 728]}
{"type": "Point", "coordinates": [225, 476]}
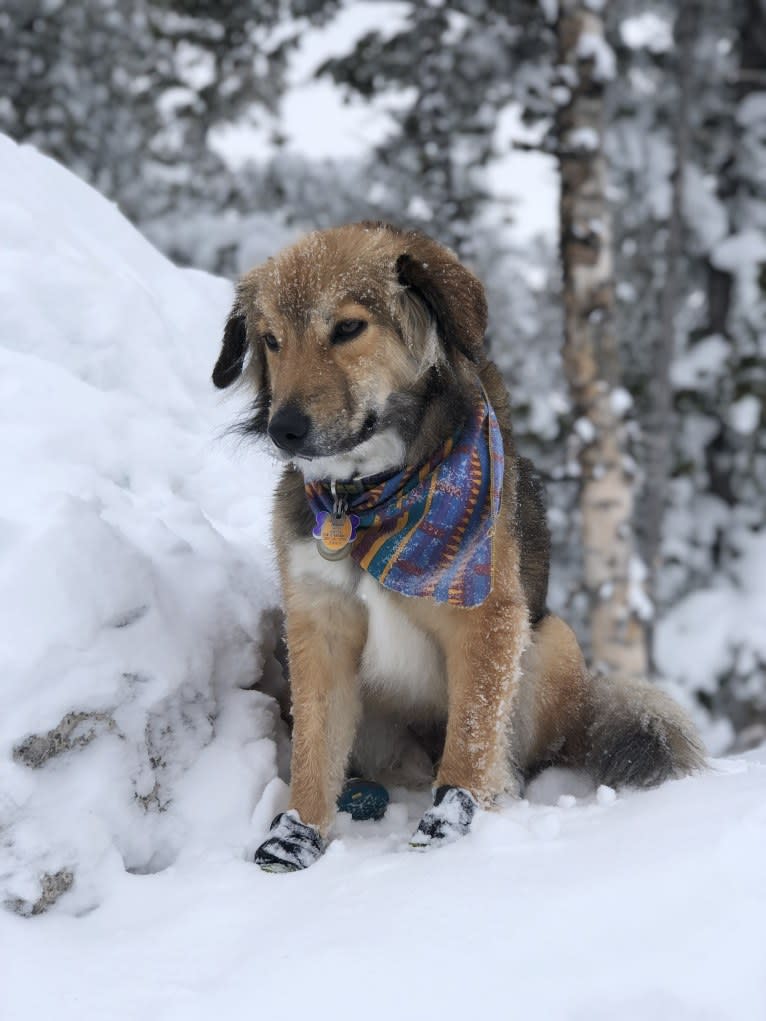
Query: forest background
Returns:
{"type": "Point", "coordinates": [548, 144]}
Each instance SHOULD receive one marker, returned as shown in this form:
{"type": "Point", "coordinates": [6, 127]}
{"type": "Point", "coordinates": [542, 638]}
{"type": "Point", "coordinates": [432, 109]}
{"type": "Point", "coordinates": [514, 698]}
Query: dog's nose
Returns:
{"type": "Point", "coordinates": [289, 428]}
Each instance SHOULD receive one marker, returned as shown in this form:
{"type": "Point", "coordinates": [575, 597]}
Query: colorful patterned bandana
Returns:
{"type": "Point", "coordinates": [428, 531]}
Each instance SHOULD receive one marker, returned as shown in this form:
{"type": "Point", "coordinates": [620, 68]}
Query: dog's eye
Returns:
{"type": "Point", "coordinates": [347, 329]}
{"type": "Point", "coordinates": [271, 341]}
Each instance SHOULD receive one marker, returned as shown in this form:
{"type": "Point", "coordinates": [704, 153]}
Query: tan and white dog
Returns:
{"type": "Point", "coordinates": [364, 348]}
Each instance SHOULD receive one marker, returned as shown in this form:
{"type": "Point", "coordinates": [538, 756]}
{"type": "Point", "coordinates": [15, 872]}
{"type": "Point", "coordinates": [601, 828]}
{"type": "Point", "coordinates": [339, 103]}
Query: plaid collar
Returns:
{"type": "Point", "coordinates": [428, 530]}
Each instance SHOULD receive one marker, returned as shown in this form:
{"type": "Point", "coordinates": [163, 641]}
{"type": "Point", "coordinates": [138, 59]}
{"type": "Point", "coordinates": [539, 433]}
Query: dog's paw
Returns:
{"type": "Point", "coordinates": [291, 845]}
{"type": "Point", "coordinates": [449, 818]}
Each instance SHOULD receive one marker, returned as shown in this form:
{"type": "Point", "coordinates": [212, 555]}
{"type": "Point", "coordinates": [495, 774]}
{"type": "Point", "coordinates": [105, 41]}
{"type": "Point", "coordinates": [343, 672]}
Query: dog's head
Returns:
{"type": "Point", "coordinates": [341, 334]}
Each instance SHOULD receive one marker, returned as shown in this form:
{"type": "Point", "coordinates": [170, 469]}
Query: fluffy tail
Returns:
{"type": "Point", "coordinates": [638, 736]}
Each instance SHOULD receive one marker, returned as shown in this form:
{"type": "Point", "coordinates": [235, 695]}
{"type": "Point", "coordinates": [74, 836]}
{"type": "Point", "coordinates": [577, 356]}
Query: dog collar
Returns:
{"type": "Point", "coordinates": [428, 530]}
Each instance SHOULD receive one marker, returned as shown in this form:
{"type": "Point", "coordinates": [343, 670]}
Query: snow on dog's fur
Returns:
{"type": "Point", "coordinates": [363, 345]}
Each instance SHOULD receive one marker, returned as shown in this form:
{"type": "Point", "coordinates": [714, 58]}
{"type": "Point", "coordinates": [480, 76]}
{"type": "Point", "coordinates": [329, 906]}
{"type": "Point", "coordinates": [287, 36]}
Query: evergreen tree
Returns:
{"type": "Point", "coordinates": [456, 66]}
{"type": "Point", "coordinates": [127, 95]}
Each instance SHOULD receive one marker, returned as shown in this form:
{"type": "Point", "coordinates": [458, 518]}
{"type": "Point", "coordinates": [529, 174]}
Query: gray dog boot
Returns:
{"type": "Point", "coordinates": [449, 818]}
{"type": "Point", "coordinates": [290, 846]}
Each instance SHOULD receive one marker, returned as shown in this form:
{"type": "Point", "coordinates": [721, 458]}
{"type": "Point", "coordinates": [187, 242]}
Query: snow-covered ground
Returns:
{"type": "Point", "coordinates": [651, 906]}
{"type": "Point", "coordinates": [139, 764]}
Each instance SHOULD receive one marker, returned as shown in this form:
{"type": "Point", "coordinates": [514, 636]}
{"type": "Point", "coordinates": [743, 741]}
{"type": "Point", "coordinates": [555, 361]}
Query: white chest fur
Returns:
{"type": "Point", "coordinates": [401, 664]}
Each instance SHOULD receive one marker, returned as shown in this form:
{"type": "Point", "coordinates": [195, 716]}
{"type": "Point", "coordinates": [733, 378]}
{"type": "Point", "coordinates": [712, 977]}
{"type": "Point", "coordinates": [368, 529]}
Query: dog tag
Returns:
{"type": "Point", "coordinates": [334, 534]}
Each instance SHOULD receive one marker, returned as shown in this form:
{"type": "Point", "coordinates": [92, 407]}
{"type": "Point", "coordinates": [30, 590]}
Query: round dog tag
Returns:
{"type": "Point", "coordinates": [334, 534]}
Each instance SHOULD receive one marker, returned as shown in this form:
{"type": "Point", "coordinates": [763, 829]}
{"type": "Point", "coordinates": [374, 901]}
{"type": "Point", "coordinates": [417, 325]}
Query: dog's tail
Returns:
{"type": "Point", "coordinates": [638, 736]}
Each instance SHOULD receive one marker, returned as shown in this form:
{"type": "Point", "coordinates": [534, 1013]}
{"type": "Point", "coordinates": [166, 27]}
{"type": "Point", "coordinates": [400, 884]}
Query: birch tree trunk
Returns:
{"type": "Point", "coordinates": [586, 63]}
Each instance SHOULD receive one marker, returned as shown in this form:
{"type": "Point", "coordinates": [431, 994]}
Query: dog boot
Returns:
{"type": "Point", "coordinates": [363, 799]}
{"type": "Point", "coordinates": [449, 817]}
{"type": "Point", "coordinates": [291, 845]}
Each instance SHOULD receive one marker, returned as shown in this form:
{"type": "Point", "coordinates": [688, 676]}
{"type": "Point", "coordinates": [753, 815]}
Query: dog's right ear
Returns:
{"type": "Point", "coordinates": [233, 351]}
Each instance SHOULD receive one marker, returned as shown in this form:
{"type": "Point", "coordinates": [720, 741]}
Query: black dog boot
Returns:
{"type": "Point", "coordinates": [449, 817]}
{"type": "Point", "coordinates": [291, 845]}
{"type": "Point", "coordinates": [363, 799]}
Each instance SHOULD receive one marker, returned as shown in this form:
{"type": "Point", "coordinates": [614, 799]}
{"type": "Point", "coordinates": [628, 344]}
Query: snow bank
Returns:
{"type": "Point", "coordinates": [136, 592]}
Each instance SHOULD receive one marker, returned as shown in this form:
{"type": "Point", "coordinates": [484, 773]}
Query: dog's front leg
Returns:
{"type": "Point", "coordinates": [326, 633]}
{"type": "Point", "coordinates": [483, 649]}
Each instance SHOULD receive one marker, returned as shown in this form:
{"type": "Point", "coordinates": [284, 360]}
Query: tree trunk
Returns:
{"type": "Point", "coordinates": [590, 348]}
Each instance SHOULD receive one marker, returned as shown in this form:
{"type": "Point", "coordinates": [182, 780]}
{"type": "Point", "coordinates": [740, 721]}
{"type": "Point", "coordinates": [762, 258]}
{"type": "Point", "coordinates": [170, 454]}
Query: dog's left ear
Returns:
{"type": "Point", "coordinates": [451, 293]}
{"type": "Point", "coordinates": [232, 356]}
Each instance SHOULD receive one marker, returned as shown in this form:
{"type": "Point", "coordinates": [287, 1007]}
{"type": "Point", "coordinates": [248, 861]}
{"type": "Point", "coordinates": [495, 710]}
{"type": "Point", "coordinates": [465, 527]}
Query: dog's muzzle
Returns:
{"type": "Point", "coordinates": [289, 428]}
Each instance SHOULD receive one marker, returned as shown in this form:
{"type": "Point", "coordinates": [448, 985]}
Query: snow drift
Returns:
{"type": "Point", "coordinates": [136, 588]}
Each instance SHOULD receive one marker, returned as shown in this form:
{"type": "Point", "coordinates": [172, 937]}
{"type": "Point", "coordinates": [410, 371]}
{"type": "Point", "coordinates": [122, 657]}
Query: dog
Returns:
{"type": "Point", "coordinates": [413, 547]}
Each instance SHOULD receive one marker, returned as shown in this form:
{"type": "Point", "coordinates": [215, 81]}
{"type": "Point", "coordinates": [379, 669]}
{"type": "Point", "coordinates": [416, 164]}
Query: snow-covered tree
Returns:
{"type": "Point", "coordinates": [137, 97]}
{"type": "Point", "coordinates": [129, 95]}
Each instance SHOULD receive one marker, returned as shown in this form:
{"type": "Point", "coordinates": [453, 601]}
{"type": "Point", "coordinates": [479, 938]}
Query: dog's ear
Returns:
{"type": "Point", "coordinates": [451, 293]}
{"type": "Point", "coordinates": [233, 349]}
{"type": "Point", "coordinates": [228, 368]}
